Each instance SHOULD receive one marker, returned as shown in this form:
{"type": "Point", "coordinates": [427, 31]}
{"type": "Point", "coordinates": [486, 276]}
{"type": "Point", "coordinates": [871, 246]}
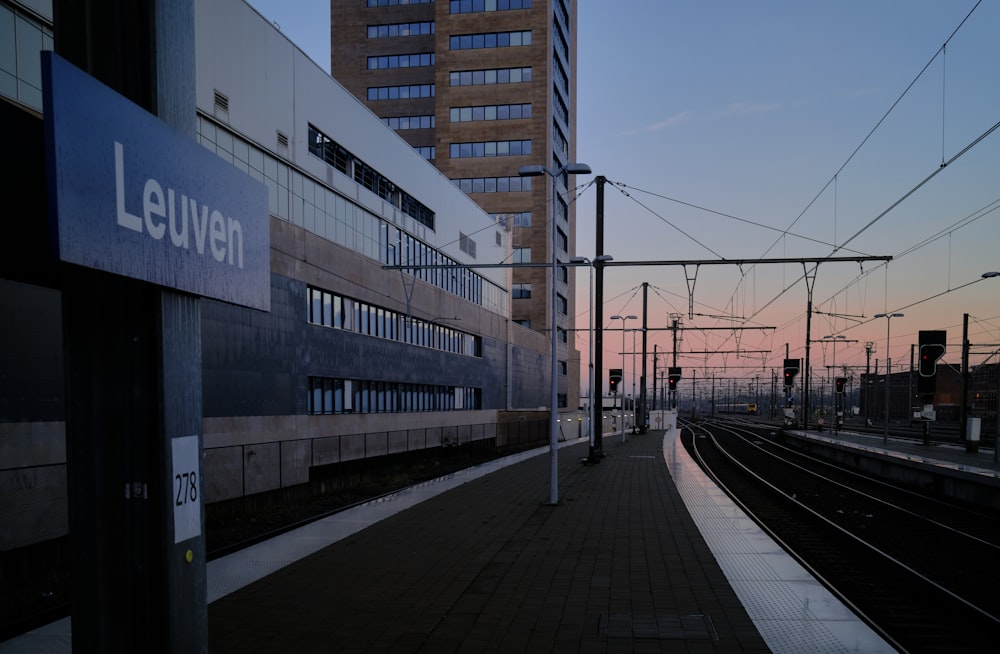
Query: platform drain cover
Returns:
{"type": "Point", "coordinates": [658, 626]}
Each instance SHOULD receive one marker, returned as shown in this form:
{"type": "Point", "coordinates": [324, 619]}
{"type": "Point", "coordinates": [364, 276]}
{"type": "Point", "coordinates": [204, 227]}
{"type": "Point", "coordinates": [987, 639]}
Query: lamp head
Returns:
{"type": "Point", "coordinates": [531, 171]}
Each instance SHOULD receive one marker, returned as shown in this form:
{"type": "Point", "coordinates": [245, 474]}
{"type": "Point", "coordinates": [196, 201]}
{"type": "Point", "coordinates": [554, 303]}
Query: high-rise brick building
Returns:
{"type": "Point", "coordinates": [482, 88]}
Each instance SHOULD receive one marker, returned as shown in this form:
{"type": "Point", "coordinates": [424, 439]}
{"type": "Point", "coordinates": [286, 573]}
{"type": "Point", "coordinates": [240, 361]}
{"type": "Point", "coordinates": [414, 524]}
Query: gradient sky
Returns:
{"type": "Point", "coordinates": [783, 129]}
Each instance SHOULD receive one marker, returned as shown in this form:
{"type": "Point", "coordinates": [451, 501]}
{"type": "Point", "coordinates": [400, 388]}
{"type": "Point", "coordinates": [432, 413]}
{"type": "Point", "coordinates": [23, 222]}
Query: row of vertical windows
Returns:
{"type": "Point", "coordinates": [393, 3]}
{"type": "Point", "coordinates": [559, 72]}
{"type": "Point", "coordinates": [490, 40]}
{"type": "Point", "coordinates": [559, 139]}
{"type": "Point", "coordinates": [428, 152]}
{"type": "Point", "coordinates": [401, 61]}
{"type": "Point", "coordinates": [490, 149]}
{"type": "Point", "coordinates": [561, 43]}
{"type": "Point", "coordinates": [340, 158]}
{"type": "Point", "coordinates": [493, 184]}
{"type": "Point", "coordinates": [397, 248]}
{"type": "Point", "coordinates": [331, 310]}
{"type": "Point", "coordinates": [330, 396]}
{"type": "Point", "coordinates": [400, 29]}
{"type": "Point", "coordinates": [403, 92]}
{"type": "Point", "coordinates": [301, 200]}
{"type": "Point", "coordinates": [476, 6]}
{"type": "Point", "coordinates": [410, 122]}
{"type": "Point", "coordinates": [559, 106]}
{"type": "Point", "coordinates": [490, 112]}
{"type": "Point", "coordinates": [490, 76]}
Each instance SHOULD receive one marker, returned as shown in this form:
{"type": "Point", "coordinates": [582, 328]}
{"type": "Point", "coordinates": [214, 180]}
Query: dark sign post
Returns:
{"type": "Point", "coordinates": [145, 221]}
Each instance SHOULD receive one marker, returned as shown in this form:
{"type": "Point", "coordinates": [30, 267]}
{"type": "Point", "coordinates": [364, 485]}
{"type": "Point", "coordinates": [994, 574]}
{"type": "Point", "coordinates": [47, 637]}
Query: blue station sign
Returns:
{"type": "Point", "coordinates": [130, 195]}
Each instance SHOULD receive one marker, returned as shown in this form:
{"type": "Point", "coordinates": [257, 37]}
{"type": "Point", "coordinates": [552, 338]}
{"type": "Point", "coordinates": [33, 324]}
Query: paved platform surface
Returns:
{"type": "Point", "coordinates": [642, 553]}
{"type": "Point", "coordinates": [618, 565]}
{"type": "Point", "coordinates": [981, 461]}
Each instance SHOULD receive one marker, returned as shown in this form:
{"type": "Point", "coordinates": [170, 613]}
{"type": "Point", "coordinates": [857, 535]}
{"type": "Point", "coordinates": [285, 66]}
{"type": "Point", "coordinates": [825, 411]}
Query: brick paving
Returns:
{"type": "Point", "coordinates": [616, 566]}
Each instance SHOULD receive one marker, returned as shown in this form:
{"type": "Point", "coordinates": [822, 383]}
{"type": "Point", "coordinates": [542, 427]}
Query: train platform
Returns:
{"type": "Point", "coordinates": [642, 553]}
{"type": "Point", "coordinates": [940, 455]}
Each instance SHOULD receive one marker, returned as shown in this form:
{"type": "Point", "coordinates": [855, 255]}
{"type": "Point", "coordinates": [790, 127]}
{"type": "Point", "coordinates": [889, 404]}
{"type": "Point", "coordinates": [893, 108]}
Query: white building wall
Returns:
{"type": "Point", "coordinates": [273, 86]}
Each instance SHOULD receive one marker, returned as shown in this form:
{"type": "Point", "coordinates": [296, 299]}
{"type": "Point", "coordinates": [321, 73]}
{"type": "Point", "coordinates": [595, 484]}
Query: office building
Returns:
{"type": "Point", "coordinates": [481, 88]}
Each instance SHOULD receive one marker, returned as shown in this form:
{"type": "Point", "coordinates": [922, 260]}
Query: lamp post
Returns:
{"type": "Point", "coordinates": [634, 396]}
{"type": "Point", "coordinates": [888, 370]}
{"type": "Point", "coordinates": [535, 171]}
{"type": "Point", "coordinates": [623, 319]}
{"type": "Point", "coordinates": [594, 413]}
{"type": "Point", "coordinates": [996, 445]}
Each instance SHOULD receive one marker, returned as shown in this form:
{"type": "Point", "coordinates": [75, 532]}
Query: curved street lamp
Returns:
{"type": "Point", "coordinates": [536, 171]}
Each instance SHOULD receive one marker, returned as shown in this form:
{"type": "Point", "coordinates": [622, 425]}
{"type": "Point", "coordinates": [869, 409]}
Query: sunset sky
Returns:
{"type": "Point", "coordinates": [783, 129]}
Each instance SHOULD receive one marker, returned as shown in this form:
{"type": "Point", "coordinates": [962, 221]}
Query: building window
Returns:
{"type": "Point", "coordinates": [490, 149]}
{"type": "Point", "coordinates": [400, 29]}
{"type": "Point", "coordinates": [493, 184]}
{"type": "Point", "coordinates": [513, 219]}
{"type": "Point", "coordinates": [401, 61]}
{"type": "Point", "coordinates": [490, 40]}
{"type": "Point", "coordinates": [521, 255]}
{"type": "Point", "coordinates": [490, 76]}
{"type": "Point", "coordinates": [520, 291]}
{"type": "Point", "coordinates": [562, 368]}
{"type": "Point", "coordinates": [477, 6]}
{"type": "Point", "coordinates": [402, 123]}
{"type": "Point", "coordinates": [404, 92]}
{"type": "Point", "coordinates": [490, 112]}
{"type": "Point", "coordinates": [523, 323]}
{"type": "Point", "coordinates": [340, 158]}
{"type": "Point", "coordinates": [428, 152]}
{"type": "Point", "coordinates": [329, 396]}
{"type": "Point", "coordinates": [393, 3]}
{"type": "Point", "coordinates": [327, 309]}
{"type": "Point", "coordinates": [21, 39]}
{"type": "Point", "coordinates": [561, 304]}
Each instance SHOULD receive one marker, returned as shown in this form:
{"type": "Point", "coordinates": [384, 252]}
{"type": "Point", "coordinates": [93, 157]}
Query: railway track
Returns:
{"type": "Point", "coordinates": [923, 573]}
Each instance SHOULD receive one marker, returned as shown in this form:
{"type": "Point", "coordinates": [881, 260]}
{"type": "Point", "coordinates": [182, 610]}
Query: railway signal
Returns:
{"type": "Point", "coordinates": [673, 376]}
{"type": "Point", "coordinates": [614, 378]}
{"type": "Point", "coordinates": [791, 370]}
{"type": "Point", "coordinates": [840, 382]}
{"type": "Point", "coordinates": [929, 355]}
{"type": "Point", "coordinates": [932, 347]}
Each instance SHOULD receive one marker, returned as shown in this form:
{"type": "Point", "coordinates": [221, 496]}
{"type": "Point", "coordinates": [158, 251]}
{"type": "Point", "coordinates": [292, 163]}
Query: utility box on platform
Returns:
{"type": "Point", "coordinates": [972, 434]}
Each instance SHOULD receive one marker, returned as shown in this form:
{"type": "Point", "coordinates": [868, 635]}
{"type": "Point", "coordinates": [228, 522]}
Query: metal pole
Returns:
{"type": "Point", "coordinates": [593, 413]}
{"type": "Point", "coordinates": [554, 364]}
{"type": "Point", "coordinates": [634, 397]}
{"type": "Point", "coordinates": [623, 374]}
{"type": "Point", "coordinates": [597, 449]}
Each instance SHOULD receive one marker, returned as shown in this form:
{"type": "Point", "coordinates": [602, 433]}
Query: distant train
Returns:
{"type": "Point", "coordinates": [746, 409]}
